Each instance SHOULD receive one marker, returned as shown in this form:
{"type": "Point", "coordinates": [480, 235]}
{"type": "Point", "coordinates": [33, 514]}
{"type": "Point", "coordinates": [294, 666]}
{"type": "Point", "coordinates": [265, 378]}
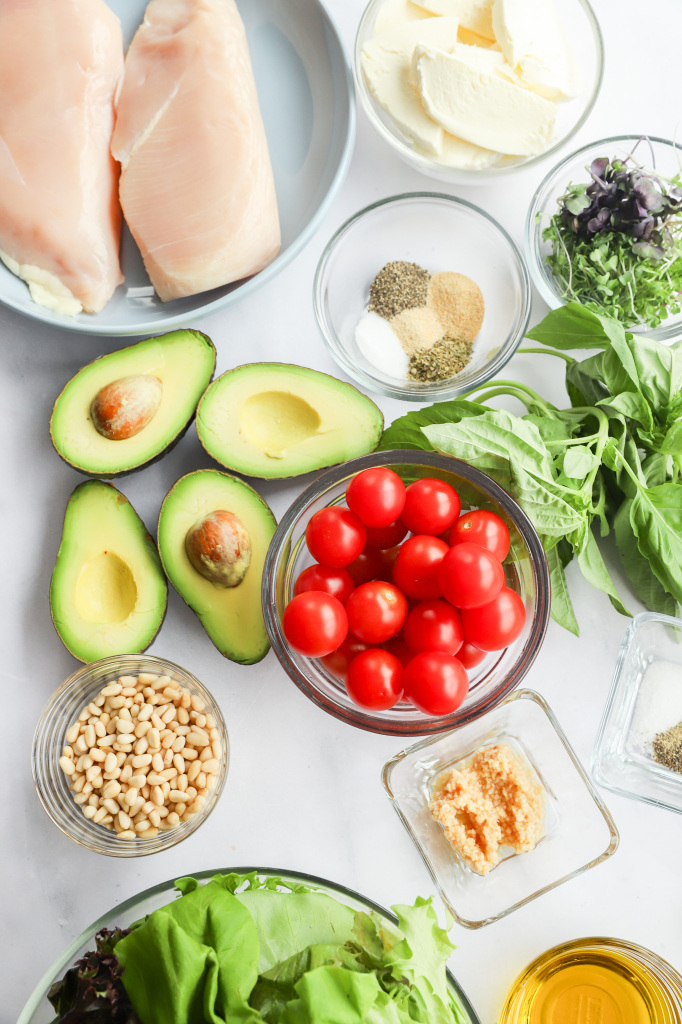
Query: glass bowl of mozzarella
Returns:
{"type": "Point", "coordinates": [467, 91]}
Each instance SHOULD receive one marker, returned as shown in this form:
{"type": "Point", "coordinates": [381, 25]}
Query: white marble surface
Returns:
{"type": "Point", "coordinates": [303, 790]}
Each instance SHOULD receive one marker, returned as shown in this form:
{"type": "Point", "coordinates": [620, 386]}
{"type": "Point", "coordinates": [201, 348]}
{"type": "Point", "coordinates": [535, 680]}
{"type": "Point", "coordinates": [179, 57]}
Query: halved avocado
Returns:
{"type": "Point", "coordinates": [126, 408]}
{"type": "Point", "coordinates": [108, 591]}
{"type": "Point", "coordinates": [279, 420]}
{"type": "Point", "coordinates": [230, 614]}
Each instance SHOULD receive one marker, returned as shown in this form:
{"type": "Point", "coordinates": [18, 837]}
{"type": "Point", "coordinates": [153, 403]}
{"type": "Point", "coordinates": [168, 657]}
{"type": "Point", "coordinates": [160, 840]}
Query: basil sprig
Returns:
{"type": "Point", "coordinates": [611, 463]}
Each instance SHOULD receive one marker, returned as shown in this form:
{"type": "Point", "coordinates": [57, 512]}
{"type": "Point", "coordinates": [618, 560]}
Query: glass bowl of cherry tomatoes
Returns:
{"type": "Point", "coordinates": [406, 593]}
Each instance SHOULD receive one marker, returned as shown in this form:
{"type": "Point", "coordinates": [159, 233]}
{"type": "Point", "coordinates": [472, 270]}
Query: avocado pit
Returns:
{"type": "Point", "coordinates": [124, 407]}
{"type": "Point", "coordinates": [219, 548]}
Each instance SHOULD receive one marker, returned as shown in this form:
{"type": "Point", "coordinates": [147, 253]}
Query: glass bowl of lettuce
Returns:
{"type": "Point", "coordinates": [254, 945]}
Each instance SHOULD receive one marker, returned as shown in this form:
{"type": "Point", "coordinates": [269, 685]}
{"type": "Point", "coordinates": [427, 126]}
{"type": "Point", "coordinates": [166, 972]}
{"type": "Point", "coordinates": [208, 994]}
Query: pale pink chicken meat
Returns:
{"type": "Point", "coordinates": [196, 186]}
{"type": "Point", "coordinates": [60, 218]}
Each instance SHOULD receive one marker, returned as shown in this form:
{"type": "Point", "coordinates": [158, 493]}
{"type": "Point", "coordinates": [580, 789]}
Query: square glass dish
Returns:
{"type": "Point", "coordinates": [645, 701]}
{"type": "Point", "coordinates": [578, 830]}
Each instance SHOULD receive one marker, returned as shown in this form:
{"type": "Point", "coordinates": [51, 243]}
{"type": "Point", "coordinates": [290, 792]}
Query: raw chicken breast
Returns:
{"type": "Point", "coordinates": [196, 181]}
{"type": "Point", "coordinates": [60, 219]}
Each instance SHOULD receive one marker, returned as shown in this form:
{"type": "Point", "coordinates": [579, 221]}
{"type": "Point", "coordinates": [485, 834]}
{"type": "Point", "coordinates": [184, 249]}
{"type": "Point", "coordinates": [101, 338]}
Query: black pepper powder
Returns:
{"type": "Point", "coordinates": [398, 286]}
{"type": "Point", "coordinates": [668, 748]}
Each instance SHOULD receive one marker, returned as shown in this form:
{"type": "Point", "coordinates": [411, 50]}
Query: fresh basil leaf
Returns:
{"type": "Point", "coordinates": [595, 572]}
{"type": "Point", "coordinates": [657, 469]}
{"type": "Point", "coordinates": [672, 442]}
{"type": "Point", "coordinates": [579, 461]}
{"type": "Point", "coordinates": [656, 520]}
{"type": "Point", "coordinates": [552, 428]}
{"type": "Point", "coordinates": [562, 606]}
{"type": "Point", "coordinates": [587, 380]}
{"type": "Point", "coordinates": [573, 326]}
{"type": "Point", "coordinates": [620, 369]}
{"type": "Point", "coordinates": [406, 432]}
{"type": "Point", "coordinates": [637, 568]}
{"type": "Point", "coordinates": [631, 404]}
{"type": "Point", "coordinates": [547, 510]}
{"type": "Point", "coordinates": [493, 437]}
{"type": "Point", "coordinates": [659, 369]}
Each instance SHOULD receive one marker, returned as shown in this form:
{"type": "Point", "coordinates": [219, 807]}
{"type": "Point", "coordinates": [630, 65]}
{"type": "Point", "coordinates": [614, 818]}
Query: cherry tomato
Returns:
{"type": "Point", "coordinates": [497, 624]}
{"type": "Point", "coordinates": [338, 661]}
{"type": "Point", "coordinates": [431, 506]}
{"type": "Point", "coordinates": [376, 611]}
{"type": "Point", "coordinates": [386, 536]}
{"type": "Point", "coordinates": [435, 682]}
{"type": "Point", "coordinates": [416, 567]}
{"type": "Point", "coordinates": [335, 536]}
{"type": "Point", "coordinates": [375, 679]}
{"type": "Point", "coordinates": [315, 623]}
{"type": "Point", "coordinates": [337, 582]}
{"type": "Point", "coordinates": [468, 655]}
{"type": "Point", "coordinates": [470, 576]}
{"type": "Point", "coordinates": [483, 528]}
{"type": "Point", "coordinates": [373, 564]}
{"type": "Point", "coordinates": [377, 496]}
{"type": "Point", "coordinates": [434, 626]}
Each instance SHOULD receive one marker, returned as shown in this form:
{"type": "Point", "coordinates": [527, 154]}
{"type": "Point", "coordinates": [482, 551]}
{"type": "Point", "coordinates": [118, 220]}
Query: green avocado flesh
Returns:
{"type": "Point", "coordinates": [108, 591]}
{"type": "Point", "coordinates": [278, 420]}
{"type": "Point", "coordinates": [231, 616]}
{"type": "Point", "coordinates": [183, 361]}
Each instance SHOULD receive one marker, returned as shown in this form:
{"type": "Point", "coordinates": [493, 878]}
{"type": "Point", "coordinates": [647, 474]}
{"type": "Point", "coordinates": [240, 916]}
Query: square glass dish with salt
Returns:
{"type": "Point", "coordinates": [638, 750]}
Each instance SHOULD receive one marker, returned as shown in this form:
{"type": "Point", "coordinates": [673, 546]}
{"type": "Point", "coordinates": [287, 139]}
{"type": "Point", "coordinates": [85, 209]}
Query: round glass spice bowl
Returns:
{"type": "Point", "coordinates": [596, 979]}
{"type": "Point", "coordinates": [439, 233]}
{"type": "Point", "coordinates": [659, 155]}
{"type": "Point", "coordinates": [49, 740]}
{"type": "Point", "coordinates": [584, 35]}
{"type": "Point", "coordinates": [526, 572]}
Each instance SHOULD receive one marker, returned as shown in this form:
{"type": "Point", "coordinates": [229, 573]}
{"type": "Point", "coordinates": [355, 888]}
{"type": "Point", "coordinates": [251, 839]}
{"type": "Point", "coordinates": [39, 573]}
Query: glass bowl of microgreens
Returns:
{"type": "Point", "coordinates": [604, 228]}
{"type": "Point", "coordinates": [422, 296]}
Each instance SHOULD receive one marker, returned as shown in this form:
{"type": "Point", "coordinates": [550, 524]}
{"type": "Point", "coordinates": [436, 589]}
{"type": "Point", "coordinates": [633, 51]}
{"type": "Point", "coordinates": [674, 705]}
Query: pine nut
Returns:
{"type": "Point", "coordinates": [154, 779]}
{"type": "Point", "coordinates": [206, 754]}
{"type": "Point", "coordinates": [146, 712]}
{"type": "Point", "coordinates": [154, 819]}
{"type": "Point", "coordinates": [111, 806]}
{"type": "Point", "coordinates": [167, 740]}
{"type": "Point", "coordinates": [186, 699]}
{"type": "Point", "coordinates": [198, 739]}
{"type": "Point", "coordinates": [99, 814]}
{"type": "Point", "coordinates": [168, 758]}
{"type": "Point", "coordinates": [97, 755]}
{"type": "Point", "coordinates": [217, 747]}
{"type": "Point", "coordinates": [80, 798]}
{"type": "Point", "coordinates": [117, 702]}
{"type": "Point", "coordinates": [150, 833]}
{"type": "Point", "coordinates": [138, 781]}
{"type": "Point", "coordinates": [128, 834]}
{"type": "Point", "coordinates": [142, 728]}
{"type": "Point", "coordinates": [112, 789]}
{"type": "Point", "coordinates": [193, 770]}
{"type": "Point", "coordinates": [157, 796]}
{"type": "Point", "coordinates": [72, 733]}
{"type": "Point", "coordinates": [200, 720]}
{"type": "Point", "coordinates": [212, 765]}
{"type": "Point", "coordinates": [176, 796]}
{"type": "Point", "coordinates": [201, 780]}
{"type": "Point", "coordinates": [190, 754]}
{"type": "Point", "coordinates": [169, 773]}
{"type": "Point", "coordinates": [154, 739]}
{"type": "Point", "coordinates": [124, 726]}
{"type": "Point", "coordinates": [173, 818]}
{"type": "Point", "coordinates": [145, 791]}
{"type": "Point", "coordinates": [67, 765]}
{"type": "Point", "coordinates": [142, 825]}
{"type": "Point", "coordinates": [129, 691]}
{"type": "Point", "coordinates": [183, 716]}
{"type": "Point", "coordinates": [179, 762]}
{"type": "Point", "coordinates": [141, 760]}
{"type": "Point", "coordinates": [123, 819]}
{"type": "Point", "coordinates": [181, 782]}
{"type": "Point", "coordinates": [110, 763]}
{"type": "Point", "coordinates": [130, 796]}
{"type": "Point", "coordinates": [156, 722]}
{"type": "Point", "coordinates": [196, 702]}
{"type": "Point", "coordinates": [100, 728]}
{"type": "Point", "coordinates": [180, 809]}
{"type": "Point", "coordinates": [147, 678]}
{"type": "Point", "coordinates": [78, 784]}
{"type": "Point", "coordinates": [89, 811]}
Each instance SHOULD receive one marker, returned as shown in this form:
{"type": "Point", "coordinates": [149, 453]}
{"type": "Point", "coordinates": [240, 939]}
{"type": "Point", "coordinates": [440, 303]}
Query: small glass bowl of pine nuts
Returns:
{"type": "Point", "coordinates": [130, 755]}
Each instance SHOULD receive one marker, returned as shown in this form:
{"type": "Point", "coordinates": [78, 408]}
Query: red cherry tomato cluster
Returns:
{"type": "Point", "coordinates": [403, 619]}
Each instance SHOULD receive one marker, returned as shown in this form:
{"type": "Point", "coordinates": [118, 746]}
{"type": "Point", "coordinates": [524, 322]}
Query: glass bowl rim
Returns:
{"type": "Point", "coordinates": [531, 232]}
{"type": "Point", "coordinates": [127, 850]}
{"type": "Point", "coordinates": [538, 699]}
{"type": "Point", "coordinates": [437, 389]}
{"type": "Point", "coordinates": [356, 716]}
{"type": "Point", "coordinates": [464, 175]}
{"type": "Point", "coordinates": [66, 958]}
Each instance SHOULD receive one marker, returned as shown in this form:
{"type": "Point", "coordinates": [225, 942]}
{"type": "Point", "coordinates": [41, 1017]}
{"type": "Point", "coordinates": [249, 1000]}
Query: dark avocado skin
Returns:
{"type": "Point", "coordinates": [150, 462]}
{"type": "Point", "coordinates": [283, 476]}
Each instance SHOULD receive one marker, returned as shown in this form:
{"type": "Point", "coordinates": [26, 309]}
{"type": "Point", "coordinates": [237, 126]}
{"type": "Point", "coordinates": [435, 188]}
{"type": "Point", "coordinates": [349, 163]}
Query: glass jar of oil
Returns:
{"type": "Point", "coordinates": [596, 981]}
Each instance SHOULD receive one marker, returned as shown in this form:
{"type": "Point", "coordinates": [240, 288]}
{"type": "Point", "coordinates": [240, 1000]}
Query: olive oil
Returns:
{"type": "Point", "coordinates": [596, 981]}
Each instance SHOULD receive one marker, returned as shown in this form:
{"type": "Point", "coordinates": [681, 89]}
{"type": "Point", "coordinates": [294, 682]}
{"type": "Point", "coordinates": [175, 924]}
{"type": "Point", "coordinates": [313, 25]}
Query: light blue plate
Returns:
{"type": "Point", "coordinates": [306, 98]}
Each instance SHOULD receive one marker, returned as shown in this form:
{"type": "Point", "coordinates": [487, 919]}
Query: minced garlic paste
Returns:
{"type": "Point", "coordinates": [489, 803]}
